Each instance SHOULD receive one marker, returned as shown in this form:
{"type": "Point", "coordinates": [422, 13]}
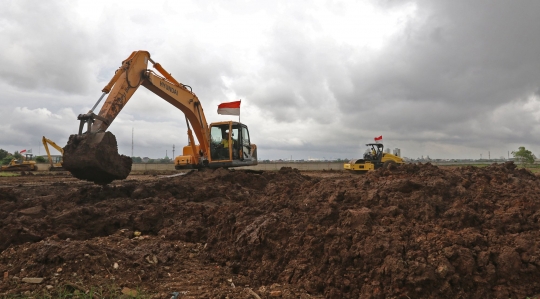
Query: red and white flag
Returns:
{"type": "Point", "coordinates": [230, 108]}
{"type": "Point", "coordinates": [378, 138]}
{"type": "Point", "coordinates": [23, 151]}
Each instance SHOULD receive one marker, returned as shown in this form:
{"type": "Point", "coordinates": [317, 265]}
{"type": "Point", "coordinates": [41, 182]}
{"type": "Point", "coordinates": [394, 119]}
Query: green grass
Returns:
{"type": "Point", "coordinates": [533, 168]}
{"type": "Point", "coordinates": [7, 174]}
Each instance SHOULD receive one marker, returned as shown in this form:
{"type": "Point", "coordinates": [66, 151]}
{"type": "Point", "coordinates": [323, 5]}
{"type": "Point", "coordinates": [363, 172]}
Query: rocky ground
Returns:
{"type": "Point", "coordinates": [416, 231]}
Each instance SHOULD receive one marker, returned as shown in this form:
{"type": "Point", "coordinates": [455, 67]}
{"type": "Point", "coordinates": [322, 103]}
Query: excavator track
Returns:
{"type": "Point", "coordinates": [94, 157]}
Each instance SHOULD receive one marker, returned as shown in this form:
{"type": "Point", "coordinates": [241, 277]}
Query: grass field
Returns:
{"type": "Point", "coordinates": [5, 173]}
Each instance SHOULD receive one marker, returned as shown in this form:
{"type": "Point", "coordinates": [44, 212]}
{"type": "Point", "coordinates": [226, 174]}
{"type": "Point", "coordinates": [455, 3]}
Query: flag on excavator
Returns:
{"type": "Point", "coordinates": [377, 139]}
{"type": "Point", "coordinates": [229, 108]}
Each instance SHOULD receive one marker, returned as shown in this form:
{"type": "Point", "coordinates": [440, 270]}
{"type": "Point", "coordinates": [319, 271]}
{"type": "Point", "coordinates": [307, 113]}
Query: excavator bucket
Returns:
{"type": "Point", "coordinates": [94, 157]}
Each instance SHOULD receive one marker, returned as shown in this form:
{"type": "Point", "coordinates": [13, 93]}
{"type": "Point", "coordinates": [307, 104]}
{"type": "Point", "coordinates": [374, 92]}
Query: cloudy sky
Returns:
{"type": "Point", "coordinates": [317, 79]}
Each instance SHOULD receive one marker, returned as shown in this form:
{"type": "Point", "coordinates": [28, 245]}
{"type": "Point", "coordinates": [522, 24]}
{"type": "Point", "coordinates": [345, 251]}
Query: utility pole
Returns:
{"type": "Point", "coordinates": [165, 153]}
{"type": "Point", "coordinates": [173, 151]}
{"type": "Point", "coordinates": [489, 155]}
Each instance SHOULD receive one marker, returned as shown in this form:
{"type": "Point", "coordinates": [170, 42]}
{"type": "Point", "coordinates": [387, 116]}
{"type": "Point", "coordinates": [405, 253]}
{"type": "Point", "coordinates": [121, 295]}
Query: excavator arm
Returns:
{"type": "Point", "coordinates": [86, 151]}
{"type": "Point", "coordinates": [53, 144]}
{"type": "Point", "coordinates": [46, 143]}
{"type": "Point", "coordinates": [134, 73]}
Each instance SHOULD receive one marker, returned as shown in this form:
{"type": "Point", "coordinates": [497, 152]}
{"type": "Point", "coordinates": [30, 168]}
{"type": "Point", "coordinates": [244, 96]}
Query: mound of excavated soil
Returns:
{"type": "Point", "coordinates": [415, 231]}
{"type": "Point", "coordinates": [98, 162]}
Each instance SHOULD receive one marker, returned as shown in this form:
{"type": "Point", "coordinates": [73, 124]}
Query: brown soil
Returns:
{"type": "Point", "coordinates": [98, 162]}
{"type": "Point", "coordinates": [415, 231]}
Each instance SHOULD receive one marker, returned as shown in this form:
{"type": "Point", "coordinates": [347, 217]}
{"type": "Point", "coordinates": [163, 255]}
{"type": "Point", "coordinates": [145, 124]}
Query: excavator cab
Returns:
{"type": "Point", "coordinates": [230, 145]}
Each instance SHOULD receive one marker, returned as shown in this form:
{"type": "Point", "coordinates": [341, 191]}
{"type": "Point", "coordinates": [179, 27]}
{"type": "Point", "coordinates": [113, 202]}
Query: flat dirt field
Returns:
{"type": "Point", "coordinates": [415, 231]}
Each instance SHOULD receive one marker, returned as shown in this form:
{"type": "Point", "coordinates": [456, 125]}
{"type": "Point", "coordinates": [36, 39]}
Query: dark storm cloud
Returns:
{"type": "Point", "coordinates": [444, 79]}
{"type": "Point", "coordinates": [469, 58]}
{"type": "Point", "coordinates": [43, 48]}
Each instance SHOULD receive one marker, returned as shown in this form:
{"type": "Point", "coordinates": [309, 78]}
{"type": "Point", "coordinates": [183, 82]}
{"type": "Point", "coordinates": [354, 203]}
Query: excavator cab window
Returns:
{"type": "Point", "coordinates": [219, 149]}
{"type": "Point", "coordinates": [242, 145]}
{"type": "Point", "coordinates": [239, 144]}
{"type": "Point", "coordinates": [246, 145]}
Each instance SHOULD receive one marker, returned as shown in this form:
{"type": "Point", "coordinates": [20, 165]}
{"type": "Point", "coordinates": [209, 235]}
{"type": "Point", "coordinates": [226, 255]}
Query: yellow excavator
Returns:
{"type": "Point", "coordinates": [55, 164]}
{"type": "Point", "coordinates": [374, 158]}
{"type": "Point", "coordinates": [22, 164]}
{"type": "Point", "coordinates": [93, 155]}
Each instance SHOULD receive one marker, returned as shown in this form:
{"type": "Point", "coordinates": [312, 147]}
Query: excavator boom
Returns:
{"type": "Point", "coordinates": [52, 164]}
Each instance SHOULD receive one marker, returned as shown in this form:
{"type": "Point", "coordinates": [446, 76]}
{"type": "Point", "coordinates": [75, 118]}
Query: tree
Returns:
{"type": "Point", "coordinates": [17, 155]}
{"type": "Point", "coordinates": [3, 154]}
{"type": "Point", "coordinates": [40, 159]}
{"type": "Point", "coordinates": [7, 159]}
{"type": "Point", "coordinates": [524, 156]}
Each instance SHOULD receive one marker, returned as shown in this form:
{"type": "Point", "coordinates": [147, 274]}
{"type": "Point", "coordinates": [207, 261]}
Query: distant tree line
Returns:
{"type": "Point", "coordinates": [6, 156]}
{"type": "Point", "coordinates": [522, 156]}
{"type": "Point", "coordinates": [139, 160]}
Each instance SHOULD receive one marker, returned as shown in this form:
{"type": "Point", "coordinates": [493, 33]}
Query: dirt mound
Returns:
{"type": "Point", "coordinates": [415, 231]}
{"type": "Point", "coordinates": [95, 158]}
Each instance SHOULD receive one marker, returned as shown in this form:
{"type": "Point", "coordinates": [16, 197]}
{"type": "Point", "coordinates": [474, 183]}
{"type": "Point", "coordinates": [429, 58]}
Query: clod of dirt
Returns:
{"type": "Point", "coordinates": [7, 194]}
{"type": "Point", "coordinates": [95, 158]}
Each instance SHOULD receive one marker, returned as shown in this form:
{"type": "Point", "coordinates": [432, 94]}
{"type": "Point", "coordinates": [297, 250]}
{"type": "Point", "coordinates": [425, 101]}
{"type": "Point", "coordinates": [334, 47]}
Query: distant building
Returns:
{"type": "Point", "coordinates": [397, 152]}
